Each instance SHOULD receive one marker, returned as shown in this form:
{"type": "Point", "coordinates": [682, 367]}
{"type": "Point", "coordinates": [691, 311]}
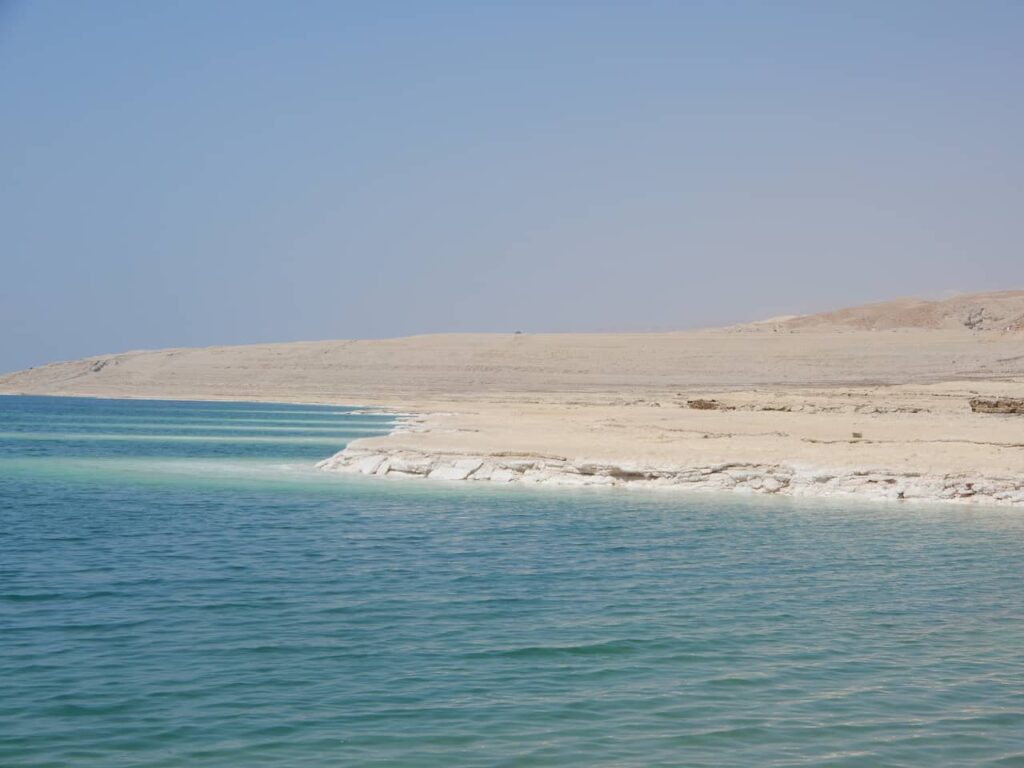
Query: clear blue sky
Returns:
{"type": "Point", "coordinates": [206, 172]}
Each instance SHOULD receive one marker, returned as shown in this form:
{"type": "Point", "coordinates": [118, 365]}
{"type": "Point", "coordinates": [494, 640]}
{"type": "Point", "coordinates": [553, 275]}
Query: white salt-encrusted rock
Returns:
{"type": "Point", "coordinates": [370, 464]}
{"type": "Point", "coordinates": [411, 464]}
{"type": "Point", "coordinates": [859, 482]}
{"type": "Point", "coordinates": [458, 470]}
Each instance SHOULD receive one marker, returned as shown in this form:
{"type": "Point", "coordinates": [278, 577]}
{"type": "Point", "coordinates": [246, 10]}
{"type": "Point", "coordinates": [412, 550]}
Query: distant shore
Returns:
{"type": "Point", "coordinates": [846, 404]}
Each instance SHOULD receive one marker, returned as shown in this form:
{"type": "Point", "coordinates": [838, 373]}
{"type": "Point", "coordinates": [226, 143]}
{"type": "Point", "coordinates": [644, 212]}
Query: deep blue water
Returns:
{"type": "Point", "coordinates": [178, 587]}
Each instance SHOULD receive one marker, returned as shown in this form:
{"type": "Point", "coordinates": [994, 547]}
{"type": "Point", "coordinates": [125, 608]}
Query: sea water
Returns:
{"type": "Point", "coordinates": [180, 587]}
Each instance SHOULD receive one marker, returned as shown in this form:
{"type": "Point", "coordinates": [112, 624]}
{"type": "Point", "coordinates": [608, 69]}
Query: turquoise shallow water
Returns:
{"type": "Point", "coordinates": [178, 587]}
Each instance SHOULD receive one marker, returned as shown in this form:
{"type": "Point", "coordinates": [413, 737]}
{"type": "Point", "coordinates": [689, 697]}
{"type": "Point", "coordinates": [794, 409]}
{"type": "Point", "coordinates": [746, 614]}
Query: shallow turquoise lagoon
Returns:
{"type": "Point", "coordinates": [178, 587]}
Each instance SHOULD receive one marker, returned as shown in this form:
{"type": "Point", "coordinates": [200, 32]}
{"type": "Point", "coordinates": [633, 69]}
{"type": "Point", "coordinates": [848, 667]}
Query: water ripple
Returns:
{"type": "Point", "coordinates": [186, 607]}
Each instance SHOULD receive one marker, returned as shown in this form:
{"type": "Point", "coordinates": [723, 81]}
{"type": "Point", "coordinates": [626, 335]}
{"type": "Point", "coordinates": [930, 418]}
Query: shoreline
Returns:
{"type": "Point", "coordinates": [390, 456]}
{"type": "Point", "coordinates": [773, 479]}
{"type": "Point", "coordinates": [826, 411]}
{"type": "Point", "coordinates": [200, 399]}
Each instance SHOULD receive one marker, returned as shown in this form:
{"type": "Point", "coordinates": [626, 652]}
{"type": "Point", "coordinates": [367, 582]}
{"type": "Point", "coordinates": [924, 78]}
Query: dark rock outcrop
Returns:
{"type": "Point", "coordinates": [998, 405]}
{"type": "Point", "coordinates": [705, 405]}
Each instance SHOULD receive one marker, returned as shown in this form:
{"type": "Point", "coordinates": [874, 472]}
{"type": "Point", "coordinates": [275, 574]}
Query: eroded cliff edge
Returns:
{"type": "Point", "coordinates": [783, 479]}
{"type": "Point", "coordinates": [881, 443]}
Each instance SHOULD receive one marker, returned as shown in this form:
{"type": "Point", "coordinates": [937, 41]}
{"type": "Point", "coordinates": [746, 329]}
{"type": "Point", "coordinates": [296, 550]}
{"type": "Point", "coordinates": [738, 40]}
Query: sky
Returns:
{"type": "Point", "coordinates": [234, 171]}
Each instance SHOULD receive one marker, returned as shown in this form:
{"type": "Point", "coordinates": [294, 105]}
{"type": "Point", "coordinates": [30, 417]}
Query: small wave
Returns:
{"type": "Point", "coordinates": [607, 648]}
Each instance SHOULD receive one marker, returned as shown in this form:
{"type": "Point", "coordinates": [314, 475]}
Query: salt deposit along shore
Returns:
{"type": "Point", "coordinates": [882, 443]}
{"type": "Point", "coordinates": [872, 402]}
{"type": "Point", "coordinates": [780, 479]}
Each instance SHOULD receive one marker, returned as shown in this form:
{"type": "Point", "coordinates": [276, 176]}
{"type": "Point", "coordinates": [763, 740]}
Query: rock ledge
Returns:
{"type": "Point", "coordinates": [781, 479]}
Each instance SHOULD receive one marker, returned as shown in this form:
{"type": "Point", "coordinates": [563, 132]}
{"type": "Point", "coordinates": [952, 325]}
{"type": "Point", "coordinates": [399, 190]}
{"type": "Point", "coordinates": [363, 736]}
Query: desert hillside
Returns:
{"type": "Point", "coordinates": [1002, 311]}
{"type": "Point", "coordinates": [957, 339]}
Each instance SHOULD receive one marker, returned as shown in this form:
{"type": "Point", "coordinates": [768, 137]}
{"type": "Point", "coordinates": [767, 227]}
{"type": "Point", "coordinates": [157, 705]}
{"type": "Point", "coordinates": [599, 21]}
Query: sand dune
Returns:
{"type": "Point", "coordinates": [870, 401]}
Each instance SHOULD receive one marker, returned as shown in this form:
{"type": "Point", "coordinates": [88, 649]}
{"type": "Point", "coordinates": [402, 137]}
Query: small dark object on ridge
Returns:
{"type": "Point", "coordinates": [705, 405]}
{"type": "Point", "coordinates": [997, 405]}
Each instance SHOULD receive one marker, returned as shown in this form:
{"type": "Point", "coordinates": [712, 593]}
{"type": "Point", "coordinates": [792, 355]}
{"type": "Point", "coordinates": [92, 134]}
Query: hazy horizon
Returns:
{"type": "Point", "coordinates": [230, 173]}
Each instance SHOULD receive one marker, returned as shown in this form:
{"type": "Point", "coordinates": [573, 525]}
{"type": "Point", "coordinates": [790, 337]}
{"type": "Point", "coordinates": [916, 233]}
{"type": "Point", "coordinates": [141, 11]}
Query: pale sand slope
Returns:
{"type": "Point", "coordinates": [611, 408]}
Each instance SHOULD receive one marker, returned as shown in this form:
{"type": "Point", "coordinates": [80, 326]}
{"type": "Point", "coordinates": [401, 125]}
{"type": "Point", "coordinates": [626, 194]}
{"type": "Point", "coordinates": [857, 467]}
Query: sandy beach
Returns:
{"type": "Point", "coordinates": [870, 402]}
